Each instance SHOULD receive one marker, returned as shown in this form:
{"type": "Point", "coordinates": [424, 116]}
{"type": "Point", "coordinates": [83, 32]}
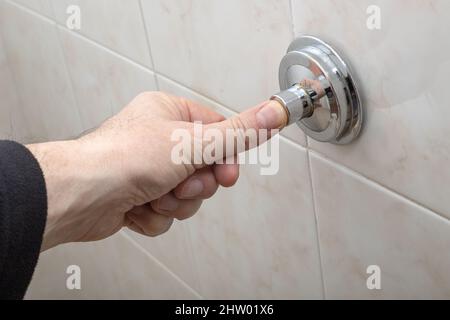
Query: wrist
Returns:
{"type": "Point", "coordinates": [78, 181]}
{"type": "Point", "coordinates": [56, 160]}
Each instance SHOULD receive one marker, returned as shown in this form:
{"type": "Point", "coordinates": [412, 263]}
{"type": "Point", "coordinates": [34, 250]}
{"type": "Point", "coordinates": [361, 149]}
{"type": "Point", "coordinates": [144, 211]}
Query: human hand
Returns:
{"type": "Point", "coordinates": [122, 174]}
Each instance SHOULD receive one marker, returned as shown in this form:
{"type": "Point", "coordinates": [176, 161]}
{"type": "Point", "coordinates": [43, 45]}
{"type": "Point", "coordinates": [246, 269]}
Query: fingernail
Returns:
{"type": "Point", "coordinates": [168, 203]}
{"type": "Point", "coordinates": [271, 116]}
{"type": "Point", "coordinates": [193, 188]}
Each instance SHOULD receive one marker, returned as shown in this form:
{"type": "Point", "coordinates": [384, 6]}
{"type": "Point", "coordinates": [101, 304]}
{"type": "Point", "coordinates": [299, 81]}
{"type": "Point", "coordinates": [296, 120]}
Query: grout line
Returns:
{"type": "Point", "coordinates": [291, 16]}
{"type": "Point", "coordinates": [52, 9]}
{"type": "Point", "coordinates": [106, 49]}
{"type": "Point", "coordinates": [293, 143]}
{"type": "Point", "coordinates": [316, 220]}
{"type": "Point", "coordinates": [356, 175]}
{"type": "Point", "coordinates": [292, 21]}
{"type": "Point", "coordinates": [69, 75]}
{"type": "Point", "coordinates": [149, 47]}
{"type": "Point", "coordinates": [146, 33]}
{"type": "Point", "coordinates": [160, 264]}
{"type": "Point", "coordinates": [135, 63]}
{"type": "Point", "coordinates": [30, 11]}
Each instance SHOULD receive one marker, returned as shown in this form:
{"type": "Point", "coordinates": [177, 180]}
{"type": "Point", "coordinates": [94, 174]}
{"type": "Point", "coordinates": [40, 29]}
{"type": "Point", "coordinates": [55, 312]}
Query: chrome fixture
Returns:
{"type": "Point", "coordinates": [319, 93]}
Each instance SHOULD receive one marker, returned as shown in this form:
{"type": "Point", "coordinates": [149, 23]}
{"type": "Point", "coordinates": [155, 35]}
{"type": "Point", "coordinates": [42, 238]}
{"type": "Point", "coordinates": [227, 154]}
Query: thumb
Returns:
{"type": "Point", "coordinates": [269, 115]}
{"type": "Point", "coordinates": [264, 118]}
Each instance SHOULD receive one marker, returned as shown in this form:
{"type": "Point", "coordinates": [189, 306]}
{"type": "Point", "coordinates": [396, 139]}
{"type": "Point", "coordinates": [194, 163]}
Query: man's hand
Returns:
{"type": "Point", "coordinates": [122, 174]}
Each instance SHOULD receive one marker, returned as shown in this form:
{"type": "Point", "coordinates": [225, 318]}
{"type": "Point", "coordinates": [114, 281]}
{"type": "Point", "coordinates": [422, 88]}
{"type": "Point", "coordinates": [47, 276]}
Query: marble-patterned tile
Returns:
{"type": "Point", "coordinates": [362, 224]}
{"type": "Point", "coordinates": [9, 101]}
{"type": "Point", "coordinates": [111, 269]}
{"type": "Point", "coordinates": [37, 63]}
{"type": "Point", "coordinates": [402, 70]}
{"type": "Point", "coordinates": [117, 24]}
{"type": "Point", "coordinates": [228, 51]}
{"type": "Point", "coordinates": [103, 82]}
{"type": "Point", "coordinates": [41, 6]}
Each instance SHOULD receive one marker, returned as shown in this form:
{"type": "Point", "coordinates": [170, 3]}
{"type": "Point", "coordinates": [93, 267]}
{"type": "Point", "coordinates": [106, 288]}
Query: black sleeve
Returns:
{"type": "Point", "coordinates": [23, 213]}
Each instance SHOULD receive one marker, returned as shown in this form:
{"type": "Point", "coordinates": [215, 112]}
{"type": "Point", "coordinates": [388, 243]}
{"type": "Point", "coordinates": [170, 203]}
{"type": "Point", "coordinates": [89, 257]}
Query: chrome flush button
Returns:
{"type": "Point", "coordinates": [319, 93]}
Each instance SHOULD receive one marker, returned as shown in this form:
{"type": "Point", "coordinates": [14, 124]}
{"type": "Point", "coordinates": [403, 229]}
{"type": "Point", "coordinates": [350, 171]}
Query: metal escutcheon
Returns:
{"type": "Point", "coordinates": [337, 116]}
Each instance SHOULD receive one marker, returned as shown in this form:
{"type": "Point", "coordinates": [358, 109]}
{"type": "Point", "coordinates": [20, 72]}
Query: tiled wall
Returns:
{"type": "Point", "coordinates": [309, 232]}
{"type": "Point", "coordinates": [8, 96]}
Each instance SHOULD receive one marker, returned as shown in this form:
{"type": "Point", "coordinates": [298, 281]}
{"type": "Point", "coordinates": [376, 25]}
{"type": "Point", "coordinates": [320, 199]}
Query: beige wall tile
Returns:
{"type": "Point", "coordinates": [117, 24]}
{"type": "Point", "coordinates": [103, 82]}
{"type": "Point", "coordinates": [403, 71]}
{"type": "Point", "coordinates": [362, 224]}
{"type": "Point", "coordinates": [226, 50]}
{"type": "Point", "coordinates": [36, 60]}
{"type": "Point", "coordinates": [111, 269]}
{"type": "Point", "coordinates": [41, 6]}
{"type": "Point", "coordinates": [258, 240]}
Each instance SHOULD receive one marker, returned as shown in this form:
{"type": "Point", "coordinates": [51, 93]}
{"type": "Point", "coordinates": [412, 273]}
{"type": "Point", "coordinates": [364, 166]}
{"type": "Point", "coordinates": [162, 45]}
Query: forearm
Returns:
{"type": "Point", "coordinates": [56, 159]}
{"type": "Point", "coordinates": [79, 179]}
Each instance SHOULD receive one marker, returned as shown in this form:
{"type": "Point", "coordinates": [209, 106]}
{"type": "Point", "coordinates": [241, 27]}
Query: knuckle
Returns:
{"type": "Point", "coordinates": [152, 96]}
{"type": "Point", "coordinates": [147, 95]}
{"type": "Point", "coordinates": [239, 128]}
{"type": "Point", "coordinates": [238, 125]}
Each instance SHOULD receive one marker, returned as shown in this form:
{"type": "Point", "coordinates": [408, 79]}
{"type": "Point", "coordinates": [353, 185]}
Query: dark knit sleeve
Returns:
{"type": "Point", "coordinates": [23, 213]}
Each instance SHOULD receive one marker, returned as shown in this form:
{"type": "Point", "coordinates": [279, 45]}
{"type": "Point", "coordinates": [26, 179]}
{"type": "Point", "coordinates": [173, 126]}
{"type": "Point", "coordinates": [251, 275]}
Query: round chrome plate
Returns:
{"type": "Point", "coordinates": [338, 115]}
